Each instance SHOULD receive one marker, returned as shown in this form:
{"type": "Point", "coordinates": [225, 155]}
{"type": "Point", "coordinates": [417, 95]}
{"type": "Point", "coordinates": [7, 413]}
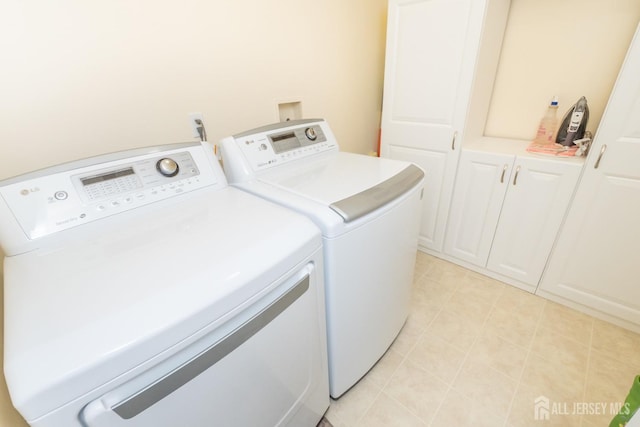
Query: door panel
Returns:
{"type": "Point", "coordinates": [428, 80]}
{"type": "Point", "coordinates": [425, 90]}
{"type": "Point", "coordinates": [536, 202]}
{"type": "Point", "coordinates": [433, 219]}
{"type": "Point", "coordinates": [429, 67]}
{"type": "Point", "coordinates": [479, 191]}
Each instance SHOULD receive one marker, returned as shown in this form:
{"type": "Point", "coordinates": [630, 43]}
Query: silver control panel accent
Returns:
{"type": "Point", "coordinates": [58, 198]}
{"type": "Point", "coordinates": [130, 177]}
{"type": "Point", "coordinates": [275, 145]}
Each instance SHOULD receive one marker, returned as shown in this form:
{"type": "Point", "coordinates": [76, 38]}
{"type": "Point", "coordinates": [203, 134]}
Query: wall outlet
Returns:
{"type": "Point", "coordinates": [195, 126]}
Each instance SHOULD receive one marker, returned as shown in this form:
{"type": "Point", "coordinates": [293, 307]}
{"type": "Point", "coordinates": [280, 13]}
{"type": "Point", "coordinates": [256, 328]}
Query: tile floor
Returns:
{"type": "Point", "coordinates": [477, 352]}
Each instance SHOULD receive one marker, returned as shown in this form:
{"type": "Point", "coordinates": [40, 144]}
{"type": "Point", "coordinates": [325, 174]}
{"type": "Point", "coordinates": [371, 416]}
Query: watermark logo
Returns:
{"type": "Point", "coordinates": [544, 408]}
{"type": "Point", "coordinates": [541, 410]}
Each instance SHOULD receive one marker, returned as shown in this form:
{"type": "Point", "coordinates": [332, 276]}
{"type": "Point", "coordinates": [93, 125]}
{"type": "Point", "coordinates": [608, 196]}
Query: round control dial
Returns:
{"type": "Point", "coordinates": [167, 167]}
{"type": "Point", "coordinates": [311, 133]}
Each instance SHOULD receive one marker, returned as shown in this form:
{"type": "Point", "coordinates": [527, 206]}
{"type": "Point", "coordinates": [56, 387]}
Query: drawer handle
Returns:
{"type": "Point", "coordinates": [602, 150]}
{"type": "Point", "coordinates": [515, 177]}
{"type": "Point", "coordinates": [504, 170]}
{"type": "Point", "coordinates": [453, 140]}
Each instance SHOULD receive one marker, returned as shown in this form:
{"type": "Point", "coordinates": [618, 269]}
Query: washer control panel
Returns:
{"type": "Point", "coordinates": [61, 197]}
{"type": "Point", "coordinates": [286, 142]}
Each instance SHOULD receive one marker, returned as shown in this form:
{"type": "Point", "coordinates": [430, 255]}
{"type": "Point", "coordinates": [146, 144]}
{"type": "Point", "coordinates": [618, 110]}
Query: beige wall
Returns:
{"type": "Point", "coordinates": [567, 48]}
{"type": "Point", "coordinates": [82, 78]}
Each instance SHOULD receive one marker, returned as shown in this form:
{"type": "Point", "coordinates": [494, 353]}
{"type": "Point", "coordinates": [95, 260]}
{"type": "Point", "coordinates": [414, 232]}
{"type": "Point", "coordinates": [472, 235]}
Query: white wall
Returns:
{"type": "Point", "coordinates": [81, 78]}
{"type": "Point", "coordinates": [567, 48]}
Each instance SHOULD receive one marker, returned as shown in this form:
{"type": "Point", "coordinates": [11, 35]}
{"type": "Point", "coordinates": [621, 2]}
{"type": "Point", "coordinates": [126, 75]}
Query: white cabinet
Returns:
{"type": "Point", "coordinates": [596, 261]}
{"type": "Point", "coordinates": [479, 192]}
{"type": "Point", "coordinates": [439, 168]}
{"type": "Point", "coordinates": [536, 202]}
{"type": "Point", "coordinates": [435, 57]}
{"type": "Point", "coordinates": [507, 210]}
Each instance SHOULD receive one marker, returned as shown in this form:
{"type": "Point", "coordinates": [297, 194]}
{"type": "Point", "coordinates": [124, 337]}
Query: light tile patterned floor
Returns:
{"type": "Point", "coordinates": [477, 352]}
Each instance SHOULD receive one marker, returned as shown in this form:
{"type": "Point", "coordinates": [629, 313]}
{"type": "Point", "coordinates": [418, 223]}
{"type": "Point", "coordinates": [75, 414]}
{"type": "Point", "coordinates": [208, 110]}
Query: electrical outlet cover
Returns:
{"type": "Point", "coordinates": [194, 126]}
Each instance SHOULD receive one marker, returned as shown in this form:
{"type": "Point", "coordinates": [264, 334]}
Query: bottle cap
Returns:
{"type": "Point", "coordinates": [554, 101]}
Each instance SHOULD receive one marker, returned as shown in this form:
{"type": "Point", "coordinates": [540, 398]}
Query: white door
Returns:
{"type": "Point", "coordinates": [536, 202]}
{"type": "Point", "coordinates": [596, 261]}
{"type": "Point", "coordinates": [431, 53]}
{"type": "Point", "coordinates": [434, 165]}
{"type": "Point", "coordinates": [479, 192]}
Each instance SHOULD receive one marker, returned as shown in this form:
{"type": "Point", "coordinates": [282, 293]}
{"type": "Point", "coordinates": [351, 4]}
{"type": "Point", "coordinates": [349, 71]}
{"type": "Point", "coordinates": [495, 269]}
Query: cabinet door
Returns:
{"type": "Point", "coordinates": [537, 199]}
{"type": "Point", "coordinates": [596, 261]}
{"type": "Point", "coordinates": [431, 53]}
{"type": "Point", "coordinates": [434, 165]}
{"type": "Point", "coordinates": [479, 192]}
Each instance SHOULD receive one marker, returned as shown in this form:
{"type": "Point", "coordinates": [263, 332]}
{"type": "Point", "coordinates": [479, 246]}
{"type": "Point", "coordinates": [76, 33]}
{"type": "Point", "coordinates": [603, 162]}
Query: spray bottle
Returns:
{"type": "Point", "coordinates": [548, 125]}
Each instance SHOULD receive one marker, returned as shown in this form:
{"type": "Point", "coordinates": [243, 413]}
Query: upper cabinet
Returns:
{"type": "Point", "coordinates": [595, 261]}
{"type": "Point", "coordinates": [441, 58]}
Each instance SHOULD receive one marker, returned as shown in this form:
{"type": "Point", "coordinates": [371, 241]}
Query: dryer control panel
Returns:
{"type": "Point", "coordinates": [281, 143]}
{"type": "Point", "coordinates": [55, 199]}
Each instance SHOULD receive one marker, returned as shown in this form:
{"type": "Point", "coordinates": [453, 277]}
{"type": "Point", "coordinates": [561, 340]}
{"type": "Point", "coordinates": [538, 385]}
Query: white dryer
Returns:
{"type": "Point", "coordinates": [368, 210]}
{"type": "Point", "coordinates": [141, 290]}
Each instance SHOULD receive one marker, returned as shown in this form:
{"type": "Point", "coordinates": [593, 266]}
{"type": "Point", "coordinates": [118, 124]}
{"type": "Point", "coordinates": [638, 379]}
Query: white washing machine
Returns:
{"type": "Point", "coordinates": [368, 210]}
{"type": "Point", "coordinates": [141, 290]}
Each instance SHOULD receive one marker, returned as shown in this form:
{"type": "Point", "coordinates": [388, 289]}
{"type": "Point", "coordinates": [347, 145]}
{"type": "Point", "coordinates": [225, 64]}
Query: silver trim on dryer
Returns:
{"type": "Point", "coordinates": [135, 404]}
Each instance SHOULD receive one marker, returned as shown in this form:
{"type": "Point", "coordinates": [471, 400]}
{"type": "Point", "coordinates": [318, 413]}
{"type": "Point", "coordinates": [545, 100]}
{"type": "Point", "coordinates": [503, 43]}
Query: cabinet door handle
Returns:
{"type": "Point", "coordinates": [453, 140]}
{"type": "Point", "coordinates": [504, 170]}
{"type": "Point", "coordinates": [602, 150]}
{"type": "Point", "coordinates": [515, 177]}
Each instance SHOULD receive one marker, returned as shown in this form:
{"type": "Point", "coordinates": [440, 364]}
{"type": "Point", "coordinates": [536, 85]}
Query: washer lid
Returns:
{"type": "Point", "coordinates": [117, 295]}
{"type": "Point", "coordinates": [365, 202]}
{"type": "Point", "coordinates": [350, 184]}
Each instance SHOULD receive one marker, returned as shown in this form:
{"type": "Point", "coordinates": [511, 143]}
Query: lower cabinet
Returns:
{"type": "Point", "coordinates": [506, 211]}
{"type": "Point", "coordinates": [439, 165]}
{"type": "Point", "coordinates": [481, 185]}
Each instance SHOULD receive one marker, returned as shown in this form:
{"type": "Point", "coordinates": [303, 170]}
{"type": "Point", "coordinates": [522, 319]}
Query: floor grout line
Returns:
{"type": "Point", "coordinates": [524, 365]}
{"type": "Point", "coordinates": [586, 371]}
